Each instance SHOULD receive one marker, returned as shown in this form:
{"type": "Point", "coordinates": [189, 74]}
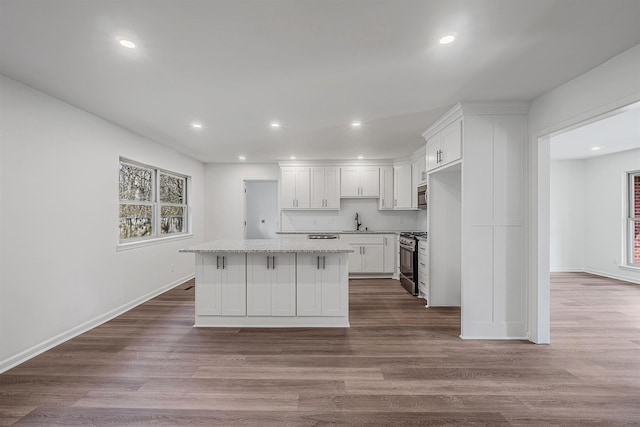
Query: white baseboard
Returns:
{"type": "Point", "coordinates": [613, 276]}
{"type": "Point", "coordinates": [567, 270]}
{"type": "Point", "coordinates": [37, 349]}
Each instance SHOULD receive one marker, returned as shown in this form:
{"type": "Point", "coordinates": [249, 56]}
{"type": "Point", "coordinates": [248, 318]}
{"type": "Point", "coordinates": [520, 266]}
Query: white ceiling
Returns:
{"type": "Point", "coordinates": [616, 132]}
{"type": "Point", "coordinates": [315, 65]}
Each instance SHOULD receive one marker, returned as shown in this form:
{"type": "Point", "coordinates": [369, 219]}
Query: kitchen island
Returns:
{"type": "Point", "coordinates": [284, 282]}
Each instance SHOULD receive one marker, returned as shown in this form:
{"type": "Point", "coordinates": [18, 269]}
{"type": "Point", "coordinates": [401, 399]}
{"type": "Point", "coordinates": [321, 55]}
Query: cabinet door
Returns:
{"type": "Point", "coordinates": [386, 188]}
{"type": "Point", "coordinates": [317, 188]}
{"type": "Point", "coordinates": [349, 182]}
{"type": "Point", "coordinates": [452, 142]}
{"type": "Point", "coordinates": [234, 285]}
{"type": "Point", "coordinates": [309, 285]}
{"type": "Point", "coordinates": [287, 188]}
{"type": "Point", "coordinates": [332, 188]}
{"type": "Point", "coordinates": [370, 182]}
{"type": "Point", "coordinates": [402, 184]}
{"type": "Point", "coordinates": [302, 188]}
{"type": "Point", "coordinates": [372, 258]}
{"type": "Point", "coordinates": [433, 146]}
{"type": "Point", "coordinates": [355, 259]}
{"type": "Point", "coordinates": [283, 285]}
{"type": "Point", "coordinates": [334, 299]}
{"type": "Point", "coordinates": [258, 285]}
{"type": "Point", "coordinates": [208, 285]}
{"type": "Point", "coordinates": [390, 253]}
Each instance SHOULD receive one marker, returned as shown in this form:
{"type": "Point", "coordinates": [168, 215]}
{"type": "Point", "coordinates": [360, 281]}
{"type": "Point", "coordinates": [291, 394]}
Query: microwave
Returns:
{"type": "Point", "coordinates": [422, 196]}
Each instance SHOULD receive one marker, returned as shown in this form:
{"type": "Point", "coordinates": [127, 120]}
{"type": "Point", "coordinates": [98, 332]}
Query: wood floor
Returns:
{"type": "Point", "coordinates": [398, 365]}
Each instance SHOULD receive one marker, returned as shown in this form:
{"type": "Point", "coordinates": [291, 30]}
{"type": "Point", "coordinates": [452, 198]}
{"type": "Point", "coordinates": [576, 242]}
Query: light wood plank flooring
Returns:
{"type": "Point", "coordinates": [399, 365]}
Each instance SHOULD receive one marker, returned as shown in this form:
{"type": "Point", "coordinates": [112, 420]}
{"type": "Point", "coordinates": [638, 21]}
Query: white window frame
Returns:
{"type": "Point", "coordinates": [156, 205]}
{"type": "Point", "coordinates": [631, 220]}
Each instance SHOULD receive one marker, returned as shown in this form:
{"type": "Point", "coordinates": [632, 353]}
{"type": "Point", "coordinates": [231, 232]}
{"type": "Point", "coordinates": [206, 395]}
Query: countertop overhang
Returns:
{"type": "Point", "coordinates": [282, 245]}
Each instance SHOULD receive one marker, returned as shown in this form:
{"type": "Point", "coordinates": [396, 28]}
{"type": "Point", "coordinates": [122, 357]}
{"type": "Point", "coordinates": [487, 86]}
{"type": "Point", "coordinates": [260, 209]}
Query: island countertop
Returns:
{"type": "Point", "coordinates": [282, 245]}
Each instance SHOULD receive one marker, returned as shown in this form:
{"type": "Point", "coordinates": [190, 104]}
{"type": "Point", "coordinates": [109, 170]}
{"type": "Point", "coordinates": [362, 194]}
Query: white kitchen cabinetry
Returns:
{"type": "Point", "coordinates": [271, 284]}
{"type": "Point", "coordinates": [418, 176]}
{"type": "Point", "coordinates": [325, 188]}
{"type": "Point", "coordinates": [360, 181]}
{"type": "Point", "coordinates": [386, 188]}
{"type": "Point", "coordinates": [320, 292]}
{"type": "Point", "coordinates": [294, 188]}
{"type": "Point", "coordinates": [445, 147]}
{"type": "Point", "coordinates": [221, 285]}
{"type": "Point", "coordinates": [390, 253]}
{"type": "Point", "coordinates": [368, 253]}
{"type": "Point", "coordinates": [423, 270]}
{"type": "Point", "coordinates": [402, 185]}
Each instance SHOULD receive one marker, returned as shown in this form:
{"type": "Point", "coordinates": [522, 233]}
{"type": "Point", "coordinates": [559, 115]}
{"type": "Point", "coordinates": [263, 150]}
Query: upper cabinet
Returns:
{"type": "Point", "coordinates": [418, 176]}
{"type": "Point", "coordinates": [325, 188]}
{"type": "Point", "coordinates": [446, 146]}
{"type": "Point", "coordinates": [402, 185]}
{"type": "Point", "coordinates": [386, 188]}
{"type": "Point", "coordinates": [294, 188]}
{"type": "Point", "coordinates": [360, 181]}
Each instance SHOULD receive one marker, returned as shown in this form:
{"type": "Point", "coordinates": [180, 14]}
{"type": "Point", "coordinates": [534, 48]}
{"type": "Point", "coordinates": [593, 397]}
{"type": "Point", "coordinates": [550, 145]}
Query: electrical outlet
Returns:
{"type": "Point", "coordinates": [173, 268]}
{"type": "Point", "coordinates": [615, 261]}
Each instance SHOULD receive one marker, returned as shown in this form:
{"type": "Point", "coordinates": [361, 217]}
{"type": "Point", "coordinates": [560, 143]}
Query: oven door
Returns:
{"type": "Point", "coordinates": [407, 269]}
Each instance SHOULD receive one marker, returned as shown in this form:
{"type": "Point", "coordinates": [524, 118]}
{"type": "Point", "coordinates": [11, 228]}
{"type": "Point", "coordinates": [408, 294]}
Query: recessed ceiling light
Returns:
{"type": "Point", "coordinates": [128, 44]}
{"type": "Point", "coordinates": [292, 157]}
{"type": "Point", "coordinates": [595, 148]}
{"type": "Point", "coordinates": [275, 124]}
{"type": "Point", "coordinates": [360, 157]}
{"type": "Point", "coordinates": [196, 125]}
{"type": "Point", "coordinates": [242, 158]}
{"type": "Point", "coordinates": [447, 39]}
{"type": "Point", "coordinates": [356, 124]}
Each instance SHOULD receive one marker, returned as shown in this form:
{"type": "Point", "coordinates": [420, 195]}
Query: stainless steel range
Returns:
{"type": "Point", "coordinates": [409, 260]}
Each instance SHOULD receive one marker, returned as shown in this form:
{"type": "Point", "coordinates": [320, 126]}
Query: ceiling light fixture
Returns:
{"type": "Point", "coordinates": [196, 125]}
{"type": "Point", "coordinates": [360, 157]}
{"type": "Point", "coordinates": [447, 39]}
{"type": "Point", "coordinates": [275, 124]}
{"type": "Point", "coordinates": [292, 157]}
{"type": "Point", "coordinates": [356, 124]}
{"type": "Point", "coordinates": [242, 158]}
{"type": "Point", "coordinates": [595, 148]}
{"type": "Point", "coordinates": [128, 44]}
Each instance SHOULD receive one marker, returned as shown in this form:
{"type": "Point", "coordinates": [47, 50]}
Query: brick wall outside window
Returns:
{"type": "Point", "coordinates": [636, 200]}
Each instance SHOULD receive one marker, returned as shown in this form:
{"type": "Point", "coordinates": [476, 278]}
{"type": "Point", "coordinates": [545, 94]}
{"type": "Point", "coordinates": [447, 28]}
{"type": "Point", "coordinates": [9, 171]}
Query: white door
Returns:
{"type": "Point", "coordinates": [258, 285]}
{"type": "Point", "coordinates": [333, 299]}
{"type": "Point", "coordinates": [208, 285]}
{"type": "Point", "coordinates": [386, 188]}
{"type": "Point", "coordinates": [370, 182]}
{"type": "Point", "coordinates": [317, 188]}
{"type": "Point", "coordinates": [372, 258]}
{"type": "Point", "coordinates": [234, 285]}
{"type": "Point", "coordinates": [349, 182]}
{"type": "Point", "coordinates": [332, 188]}
{"type": "Point", "coordinates": [283, 285]}
{"type": "Point", "coordinates": [452, 142]}
{"type": "Point", "coordinates": [433, 147]}
{"type": "Point", "coordinates": [287, 188]}
{"type": "Point", "coordinates": [261, 209]}
{"type": "Point", "coordinates": [402, 184]}
{"type": "Point", "coordinates": [302, 188]}
{"type": "Point", "coordinates": [309, 287]}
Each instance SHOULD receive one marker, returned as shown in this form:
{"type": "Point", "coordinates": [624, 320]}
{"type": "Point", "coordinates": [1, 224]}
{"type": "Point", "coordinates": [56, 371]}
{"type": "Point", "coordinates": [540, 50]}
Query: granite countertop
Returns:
{"type": "Point", "coordinates": [282, 245]}
{"type": "Point", "coordinates": [341, 232]}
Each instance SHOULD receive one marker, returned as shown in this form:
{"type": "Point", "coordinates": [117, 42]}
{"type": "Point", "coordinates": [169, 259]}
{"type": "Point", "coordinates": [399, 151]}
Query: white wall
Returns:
{"type": "Point", "coordinates": [224, 197]}
{"type": "Point", "coordinates": [59, 268]}
{"type": "Point", "coordinates": [344, 219]}
{"type": "Point", "coordinates": [261, 209]}
{"type": "Point", "coordinates": [605, 88]}
{"type": "Point", "coordinates": [567, 215]}
{"type": "Point", "coordinates": [605, 198]}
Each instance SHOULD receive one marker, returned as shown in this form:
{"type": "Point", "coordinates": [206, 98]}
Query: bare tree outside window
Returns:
{"type": "Point", "coordinates": [153, 202]}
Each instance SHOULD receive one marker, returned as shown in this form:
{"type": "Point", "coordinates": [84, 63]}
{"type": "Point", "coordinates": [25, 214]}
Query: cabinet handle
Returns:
{"type": "Point", "coordinates": [324, 262]}
{"type": "Point", "coordinates": [395, 202]}
{"type": "Point", "coordinates": [423, 264]}
{"type": "Point", "coordinates": [268, 261]}
{"type": "Point", "coordinates": [273, 262]}
{"type": "Point", "coordinates": [363, 250]}
{"type": "Point", "coordinates": [318, 262]}
{"type": "Point", "coordinates": [217, 262]}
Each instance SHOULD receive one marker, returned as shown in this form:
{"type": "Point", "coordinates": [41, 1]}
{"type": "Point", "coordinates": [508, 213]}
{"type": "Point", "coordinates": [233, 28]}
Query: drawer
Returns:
{"type": "Point", "coordinates": [368, 239]}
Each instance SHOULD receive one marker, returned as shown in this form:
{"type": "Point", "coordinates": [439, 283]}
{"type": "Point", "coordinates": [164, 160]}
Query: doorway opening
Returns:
{"type": "Point", "coordinates": [589, 204]}
{"type": "Point", "coordinates": [260, 209]}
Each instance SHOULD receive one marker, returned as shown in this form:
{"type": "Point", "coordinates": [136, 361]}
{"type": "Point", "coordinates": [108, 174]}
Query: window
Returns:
{"type": "Point", "coordinates": [153, 202]}
{"type": "Point", "coordinates": [633, 232]}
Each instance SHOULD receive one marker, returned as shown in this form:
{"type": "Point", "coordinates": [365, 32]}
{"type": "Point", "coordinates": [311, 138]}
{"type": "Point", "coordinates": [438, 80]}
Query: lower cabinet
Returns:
{"type": "Point", "coordinates": [320, 292]}
{"type": "Point", "coordinates": [371, 253]}
{"type": "Point", "coordinates": [221, 285]}
{"type": "Point", "coordinates": [271, 284]}
{"type": "Point", "coordinates": [423, 270]}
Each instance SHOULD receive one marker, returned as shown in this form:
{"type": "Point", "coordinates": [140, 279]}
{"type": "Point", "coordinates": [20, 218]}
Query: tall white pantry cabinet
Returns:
{"type": "Point", "coordinates": [492, 204]}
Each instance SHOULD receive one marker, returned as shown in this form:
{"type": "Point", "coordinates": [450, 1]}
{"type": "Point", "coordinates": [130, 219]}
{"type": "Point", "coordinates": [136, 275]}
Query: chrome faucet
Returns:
{"type": "Point", "coordinates": [358, 223]}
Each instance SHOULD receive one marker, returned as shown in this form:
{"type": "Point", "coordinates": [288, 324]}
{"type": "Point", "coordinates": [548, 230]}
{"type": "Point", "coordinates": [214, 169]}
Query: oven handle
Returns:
{"type": "Point", "coordinates": [409, 248]}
